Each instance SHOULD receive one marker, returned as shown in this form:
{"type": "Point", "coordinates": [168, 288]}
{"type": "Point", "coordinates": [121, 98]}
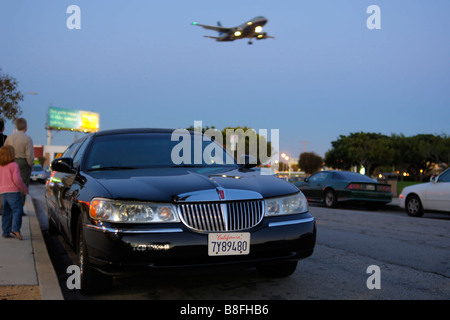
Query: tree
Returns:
{"type": "Point", "coordinates": [417, 155]}
{"type": "Point", "coordinates": [420, 154]}
{"type": "Point", "coordinates": [368, 150]}
{"type": "Point", "coordinates": [9, 96]}
{"type": "Point", "coordinates": [338, 157]}
{"type": "Point", "coordinates": [310, 162]}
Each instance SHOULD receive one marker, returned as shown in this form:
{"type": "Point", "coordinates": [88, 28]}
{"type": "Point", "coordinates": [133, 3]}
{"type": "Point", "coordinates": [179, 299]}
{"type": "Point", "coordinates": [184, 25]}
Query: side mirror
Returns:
{"type": "Point", "coordinates": [306, 179]}
{"type": "Point", "coordinates": [246, 161]}
{"type": "Point", "coordinates": [433, 179]}
{"type": "Point", "coordinates": [63, 165]}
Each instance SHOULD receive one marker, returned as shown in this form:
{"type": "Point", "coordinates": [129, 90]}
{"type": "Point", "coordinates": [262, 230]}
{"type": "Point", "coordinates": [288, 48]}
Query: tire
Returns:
{"type": "Point", "coordinates": [278, 270]}
{"type": "Point", "coordinates": [413, 206]}
{"type": "Point", "coordinates": [92, 281]}
{"type": "Point", "coordinates": [330, 198]}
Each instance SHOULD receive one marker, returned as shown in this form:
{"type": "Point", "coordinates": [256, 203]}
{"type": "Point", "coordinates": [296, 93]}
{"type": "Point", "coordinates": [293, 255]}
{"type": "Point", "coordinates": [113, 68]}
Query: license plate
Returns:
{"type": "Point", "coordinates": [228, 244]}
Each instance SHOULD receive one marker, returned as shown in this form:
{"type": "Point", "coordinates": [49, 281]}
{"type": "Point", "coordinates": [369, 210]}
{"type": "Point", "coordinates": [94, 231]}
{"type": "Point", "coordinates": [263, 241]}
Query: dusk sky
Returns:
{"type": "Point", "coordinates": [141, 63]}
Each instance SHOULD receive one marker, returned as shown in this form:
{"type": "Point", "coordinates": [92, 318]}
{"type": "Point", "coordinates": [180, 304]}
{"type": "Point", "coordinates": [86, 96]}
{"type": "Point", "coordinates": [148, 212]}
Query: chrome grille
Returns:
{"type": "Point", "coordinates": [221, 216]}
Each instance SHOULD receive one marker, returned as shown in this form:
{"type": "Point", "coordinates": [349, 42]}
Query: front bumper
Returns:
{"type": "Point", "coordinates": [116, 249]}
{"type": "Point", "coordinates": [401, 201]}
{"type": "Point", "coordinates": [37, 177]}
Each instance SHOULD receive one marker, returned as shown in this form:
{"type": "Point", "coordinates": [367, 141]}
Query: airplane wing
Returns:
{"type": "Point", "coordinates": [210, 37]}
{"type": "Point", "coordinates": [215, 28]}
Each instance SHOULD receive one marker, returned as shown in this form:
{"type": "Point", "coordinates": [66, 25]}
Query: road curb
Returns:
{"type": "Point", "coordinates": [47, 278]}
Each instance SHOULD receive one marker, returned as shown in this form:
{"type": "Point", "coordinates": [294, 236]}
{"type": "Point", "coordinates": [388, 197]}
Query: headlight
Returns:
{"type": "Point", "coordinates": [131, 212]}
{"type": "Point", "coordinates": [286, 205]}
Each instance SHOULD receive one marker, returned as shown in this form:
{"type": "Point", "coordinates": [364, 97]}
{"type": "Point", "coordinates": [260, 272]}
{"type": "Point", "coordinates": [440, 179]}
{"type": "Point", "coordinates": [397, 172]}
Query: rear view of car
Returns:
{"type": "Point", "coordinates": [332, 187]}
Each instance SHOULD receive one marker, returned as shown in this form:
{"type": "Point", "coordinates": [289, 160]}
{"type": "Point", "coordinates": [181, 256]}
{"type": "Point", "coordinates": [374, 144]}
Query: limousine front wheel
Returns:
{"type": "Point", "coordinates": [91, 280]}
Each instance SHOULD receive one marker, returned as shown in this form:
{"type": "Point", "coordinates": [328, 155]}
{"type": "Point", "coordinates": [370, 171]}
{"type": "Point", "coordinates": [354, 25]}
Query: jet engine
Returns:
{"type": "Point", "coordinates": [262, 35]}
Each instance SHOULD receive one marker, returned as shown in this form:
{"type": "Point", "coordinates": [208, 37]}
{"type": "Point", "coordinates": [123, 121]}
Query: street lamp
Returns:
{"type": "Point", "coordinates": [286, 157]}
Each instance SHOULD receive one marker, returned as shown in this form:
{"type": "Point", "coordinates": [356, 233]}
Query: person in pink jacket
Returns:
{"type": "Point", "coordinates": [11, 184]}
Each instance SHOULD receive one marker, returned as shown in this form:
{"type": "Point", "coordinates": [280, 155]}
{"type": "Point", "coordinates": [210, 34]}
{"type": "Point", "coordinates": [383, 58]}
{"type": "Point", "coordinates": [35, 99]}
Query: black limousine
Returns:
{"type": "Point", "coordinates": [125, 205]}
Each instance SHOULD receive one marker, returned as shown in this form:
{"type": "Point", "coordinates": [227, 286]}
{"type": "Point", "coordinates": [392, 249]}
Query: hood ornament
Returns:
{"type": "Point", "coordinates": [221, 193]}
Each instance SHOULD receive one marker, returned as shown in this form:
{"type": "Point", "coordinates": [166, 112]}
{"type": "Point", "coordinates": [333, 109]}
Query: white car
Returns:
{"type": "Point", "coordinates": [433, 195]}
{"type": "Point", "coordinates": [38, 173]}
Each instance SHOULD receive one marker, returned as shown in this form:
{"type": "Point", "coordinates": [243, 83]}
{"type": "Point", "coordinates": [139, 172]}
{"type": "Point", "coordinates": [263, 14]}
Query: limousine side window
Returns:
{"type": "Point", "coordinates": [70, 151]}
{"type": "Point", "coordinates": [80, 152]}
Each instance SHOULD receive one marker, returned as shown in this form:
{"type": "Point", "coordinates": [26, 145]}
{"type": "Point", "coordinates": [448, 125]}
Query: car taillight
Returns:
{"type": "Point", "coordinates": [386, 188]}
{"type": "Point", "coordinates": [354, 186]}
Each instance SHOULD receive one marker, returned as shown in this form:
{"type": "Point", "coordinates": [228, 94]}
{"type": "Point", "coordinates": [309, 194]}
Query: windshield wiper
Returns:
{"type": "Point", "coordinates": [111, 168]}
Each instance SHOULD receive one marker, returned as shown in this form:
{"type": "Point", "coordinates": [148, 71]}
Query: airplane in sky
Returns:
{"type": "Point", "coordinates": [250, 29]}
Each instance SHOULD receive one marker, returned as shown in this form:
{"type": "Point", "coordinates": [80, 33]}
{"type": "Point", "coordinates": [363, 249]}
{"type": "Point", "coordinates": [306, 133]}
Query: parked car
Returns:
{"type": "Point", "coordinates": [433, 195]}
{"type": "Point", "coordinates": [124, 204]}
{"type": "Point", "coordinates": [332, 187]}
{"type": "Point", "coordinates": [38, 173]}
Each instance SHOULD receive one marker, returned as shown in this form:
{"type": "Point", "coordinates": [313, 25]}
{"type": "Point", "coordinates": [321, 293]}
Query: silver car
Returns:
{"type": "Point", "coordinates": [38, 173]}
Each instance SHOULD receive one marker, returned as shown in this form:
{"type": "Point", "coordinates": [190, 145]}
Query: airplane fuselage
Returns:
{"type": "Point", "coordinates": [250, 29]}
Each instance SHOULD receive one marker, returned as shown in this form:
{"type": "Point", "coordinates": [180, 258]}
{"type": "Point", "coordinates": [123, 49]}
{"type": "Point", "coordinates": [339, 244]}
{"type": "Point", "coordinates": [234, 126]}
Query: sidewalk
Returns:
{"type": "Point", "coordinates": [26, 271]}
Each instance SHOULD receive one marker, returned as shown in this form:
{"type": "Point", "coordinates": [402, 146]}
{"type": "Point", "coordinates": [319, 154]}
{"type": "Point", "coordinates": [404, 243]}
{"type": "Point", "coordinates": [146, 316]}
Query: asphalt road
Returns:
{"type": "Point", "coordinates": [411, 258]}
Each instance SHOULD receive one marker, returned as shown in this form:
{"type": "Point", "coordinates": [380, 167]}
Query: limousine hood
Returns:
{"type": "Point", "coordinates": [167, 185]}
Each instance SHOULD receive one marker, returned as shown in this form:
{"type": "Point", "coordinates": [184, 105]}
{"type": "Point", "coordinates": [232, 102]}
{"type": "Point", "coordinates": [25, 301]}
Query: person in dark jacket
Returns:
{"type": "Point", "coordinates": [2, 136]}
{"type": "Point", "coordinates": [24, 152]}
{"type": "Point", "coordinates": [2, 142]}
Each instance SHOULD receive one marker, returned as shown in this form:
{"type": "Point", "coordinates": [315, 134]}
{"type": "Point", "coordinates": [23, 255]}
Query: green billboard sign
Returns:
{"type": "Point", "coordinates": [73, 120]}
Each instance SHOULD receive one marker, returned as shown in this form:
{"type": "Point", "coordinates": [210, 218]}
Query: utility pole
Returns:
{"type": "Point", "coordinates": [304, 145]}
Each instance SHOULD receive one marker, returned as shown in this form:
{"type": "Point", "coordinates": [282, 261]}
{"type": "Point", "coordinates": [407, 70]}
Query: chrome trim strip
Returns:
{"type": "Point", "coordinates": [213, 195]}
{"type": "Point", "coordinates": [225, 215]}
{"type": "Point", "coordinates": [115, 230]}
{"type": "Point", "coordinates": [166, 230]}
{"type": "Point", "coordinates": [285, 223]}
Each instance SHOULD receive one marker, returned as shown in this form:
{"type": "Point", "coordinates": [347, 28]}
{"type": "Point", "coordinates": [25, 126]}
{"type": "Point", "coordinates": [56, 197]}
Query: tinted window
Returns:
{"type": "Point", "coordinates": [445, 177]}
{"type": "Point", "coordinates": [351, 176]}
{"type": "Point", "coordinates": [319, 176]}
{"type": "Point", "coordinates": [80, 152]}
{"type": "Point", "coordinates": [143, 150]}
{"type": "Point", "coordinates": [70, 151]}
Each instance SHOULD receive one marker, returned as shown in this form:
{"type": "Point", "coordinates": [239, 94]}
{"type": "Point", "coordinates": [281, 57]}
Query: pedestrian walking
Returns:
{"type": "Point", "coordinates": [11, 184]}
{"type": "Point", "coordinates": [2, 136]}
{"type": "Point", "coordinates": [2, 142]}
{"type": "Point", "coordinates": [23, 148]}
